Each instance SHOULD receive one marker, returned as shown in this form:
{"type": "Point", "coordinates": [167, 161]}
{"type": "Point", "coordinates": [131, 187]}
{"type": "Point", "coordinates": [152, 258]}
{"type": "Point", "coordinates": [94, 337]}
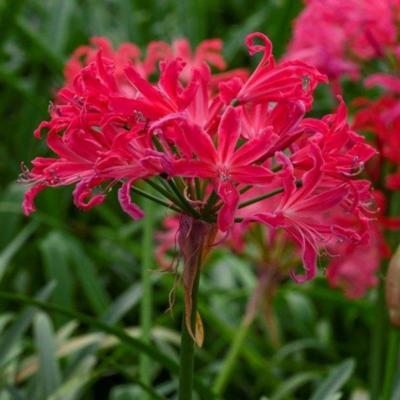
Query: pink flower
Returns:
{"type": "Point", "coordinates": [208, 51]}
{"type": "Point", "coordinates": [290, 81]}
{"type": "Point", "coordinates": [224, 165]}
{"type": "Point", "coordinates": [335, 36]}
{"type": "Point", "coordinates": [345, 152]}
{"type": "Point", "coordinates": [92, 143]}
{"type": "Point", "coordinates": [382, 118]}
{"type": "Point", "coordinates": [205, 149]}
{"type": "Point", "coordinates": [354, 268]}
{"type": "Point", "coordinates": [305, 213]}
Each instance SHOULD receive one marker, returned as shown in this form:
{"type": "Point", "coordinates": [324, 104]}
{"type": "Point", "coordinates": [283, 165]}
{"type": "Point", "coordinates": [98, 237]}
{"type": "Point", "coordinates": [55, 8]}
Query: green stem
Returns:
{"type": "Point", "coordinates": [147, 297]}
{"type": "Point", "coordinates": [161, 190]}
{"type": "Point", "coordinates": [211, 201]}
{"type": "Point", "coordinates": [264, 285]}
{"type": "Point", "coordinates": [187, 348]}
{"type": "Point", "coordinates": [184, 204]}
{"type": "Point", "coordinates": [391, 363]}
{"type": "Point", "coordinates": [377, 344]}
{"type": "Point", "coordinates": [154, 198]}
{"type": "Point", "coordinates": [231, 358]}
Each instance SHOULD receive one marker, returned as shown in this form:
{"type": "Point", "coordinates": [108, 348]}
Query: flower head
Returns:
{"type": "Point", "coordinates": [205, 149]}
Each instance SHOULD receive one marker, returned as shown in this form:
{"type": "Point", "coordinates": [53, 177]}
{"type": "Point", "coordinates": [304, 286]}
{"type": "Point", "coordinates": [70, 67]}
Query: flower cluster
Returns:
{"type": "Point", "coordinates": [337, 36]}
{"type": "Point", "coordinates": [233, 150]}
{"type": "Point", "coordinates": [342, 39]}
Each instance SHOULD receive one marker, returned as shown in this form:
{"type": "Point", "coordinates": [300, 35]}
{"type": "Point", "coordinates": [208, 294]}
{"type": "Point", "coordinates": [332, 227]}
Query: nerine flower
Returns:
{"type": "Point", "coordinates": [206, 150]}
{"type": "Point", "coordinates": [208, 51]}
{"type": "Point", "coordinates": [381, 118]}
{"type": "Point", "coordinates": [336, 36]}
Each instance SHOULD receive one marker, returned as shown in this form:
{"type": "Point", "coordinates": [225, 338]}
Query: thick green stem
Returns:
{"type": "Point", "coordinates": [187, 349]}
{"type": "Point", "coordinates": [391, 363]}
{"type": "Point", "coordinates": [146, 304]}
{"type": "Point", "coordinates": [194, 241]}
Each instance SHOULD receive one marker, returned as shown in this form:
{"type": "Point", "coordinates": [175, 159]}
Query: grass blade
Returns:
{"type": "Point", "coordinates": [49, 371]}
{"type": "Point", "coordinates": [88, 277]}
{"type": "Point", "coordinates": [21, 324]}
{"type": "Point", "coordinates": [11, 249]}
{"type": "Point", "coordinates": [122, 304]}
{"type": "Point", "coordinates": [55, 256]}
{"type": "Point", "coordinates": [60, 15]}
{"type": "Point", "coordinates": [137, 344]}
{"type": "Point", "coordinates": [335, 380]}
{"type": "Point", "coordinates": [292, 384]}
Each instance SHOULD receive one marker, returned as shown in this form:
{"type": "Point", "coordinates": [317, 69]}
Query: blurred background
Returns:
{"type": "Point", "coordinates": [89, 263]}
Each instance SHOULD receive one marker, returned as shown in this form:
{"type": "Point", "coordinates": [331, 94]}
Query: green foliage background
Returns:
{"type": "Point", "coordinates": [89, 264]}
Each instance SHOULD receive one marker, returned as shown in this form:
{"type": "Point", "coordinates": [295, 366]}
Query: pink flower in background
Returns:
{"type": "Point", "coordinates": [354, 269]}
{"type": "Point", "coordinates": [382, 118]}
{"type": "Point", "coordinates": [308, 213]}
{"type": "Point", "coordinates": [337, 36]}
{"type": "Point", "coordinates": [208, 51]}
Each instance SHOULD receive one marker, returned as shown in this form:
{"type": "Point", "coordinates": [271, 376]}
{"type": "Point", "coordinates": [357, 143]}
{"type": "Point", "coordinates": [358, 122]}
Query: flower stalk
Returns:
{"type": "Point", "coordinates": [195, 238]}
{"type": "Point", "coordinates": [265, 283]}
{"type": "Point", "coordinates": [147, 297]}
{"type": "Point", "coordinates": [187, 350]}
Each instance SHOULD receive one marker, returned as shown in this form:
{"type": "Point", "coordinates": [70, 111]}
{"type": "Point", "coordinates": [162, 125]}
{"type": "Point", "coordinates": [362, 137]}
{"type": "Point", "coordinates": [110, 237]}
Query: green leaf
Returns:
{"type": "Point", "coordinates": [10, 204]}
{"type": "Point", "coordinates": [12, 335]}
{"type": "Point", "coordinates": [49, 372]}
{"type": "Point", "coordinates": [335, 381]}
{"type": "Point", "coordinates": [55, 257]}
{"type": "Point", "coordinates": [59, 17]}
{"type": "Point", "coordinates": [135, 343]}
{"type": "Point", "coordinates": [302, 312]}
{"type": "Point", "coordinates": [70, 388]}
{"type": "Point", "coordinates": [290, 385]}
{"type": "Point", "coordinates": [88, 277]}
{"type": "Point", "coordinates": [128, 392]}
{"type": "Point", "coordinates": [12, 248]}
{"type": "Point", "coordinates": [42, 46]}
{"type": "Point", "coordinates": [235, 41]}
{"type": "Point", "coordinates": [296, 346]}
{"type": "Point", "coordinates": [122, 304]}
{"type": "Point", "coordinates": [14, 392]}
{"type": "Point", "coordinates": [112, 315]}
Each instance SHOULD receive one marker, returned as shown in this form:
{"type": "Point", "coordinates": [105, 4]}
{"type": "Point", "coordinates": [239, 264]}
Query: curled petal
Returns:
{"type": "Point", "coordinates": [83, 191]}
{"type": "Point", "coordinates": [266, 47]}
{"type": "Point", "coordinates": [126, 203]}
{"type": "Point", "coordinates": [28, 205]}
{"type": "Point", "coordinates": [309, 256]}
{"type": "Point", "coordinates": [37, 132]}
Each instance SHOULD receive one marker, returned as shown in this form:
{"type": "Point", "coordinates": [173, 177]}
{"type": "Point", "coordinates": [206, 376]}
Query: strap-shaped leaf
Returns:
{"type": "Point", "coordinates": [335, 381]}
